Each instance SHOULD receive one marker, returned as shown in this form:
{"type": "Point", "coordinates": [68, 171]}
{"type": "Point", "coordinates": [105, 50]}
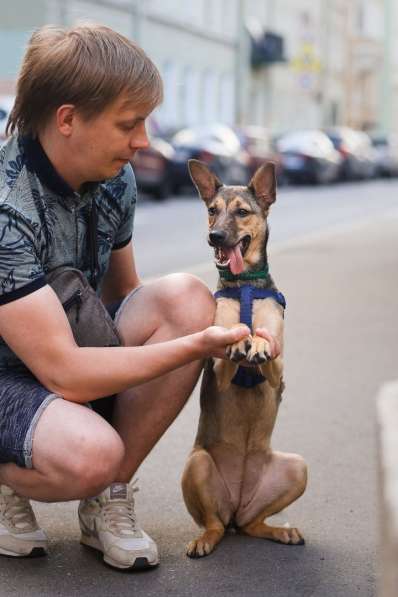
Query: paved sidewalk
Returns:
{"type": "Point", "coordinates": [341, 345]}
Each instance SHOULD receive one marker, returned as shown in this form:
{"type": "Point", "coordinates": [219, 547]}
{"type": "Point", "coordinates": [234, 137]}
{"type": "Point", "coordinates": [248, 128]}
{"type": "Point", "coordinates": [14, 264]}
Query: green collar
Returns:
{"type": "Point", "coordinates": [229, 277]}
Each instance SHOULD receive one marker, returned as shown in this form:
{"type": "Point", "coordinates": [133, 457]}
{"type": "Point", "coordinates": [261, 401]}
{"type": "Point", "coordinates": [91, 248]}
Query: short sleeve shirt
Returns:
{"type": "Point", "coordinates": [44, 223]}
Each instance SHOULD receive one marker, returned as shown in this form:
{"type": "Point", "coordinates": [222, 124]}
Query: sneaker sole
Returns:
{"type": "Point", "coordinates": [140, 562]}
{"type": "Point", "coordinates": [36, 552]}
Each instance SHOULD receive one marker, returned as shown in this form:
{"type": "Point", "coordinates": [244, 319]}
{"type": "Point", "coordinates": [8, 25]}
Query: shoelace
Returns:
{"type": "Point", "coordinates": [16, 509]}
{"type": "Point", "coordinates": [119, 515]}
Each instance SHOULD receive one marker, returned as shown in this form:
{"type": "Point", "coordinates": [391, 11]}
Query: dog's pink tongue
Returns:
{"type": "Point", "coordinates": [236, 262]}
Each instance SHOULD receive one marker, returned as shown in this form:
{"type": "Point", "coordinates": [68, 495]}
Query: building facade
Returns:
{"type": "Point", "coordinates": [194, 46]}
{"type": "Point", "coordinates": [283, 64]}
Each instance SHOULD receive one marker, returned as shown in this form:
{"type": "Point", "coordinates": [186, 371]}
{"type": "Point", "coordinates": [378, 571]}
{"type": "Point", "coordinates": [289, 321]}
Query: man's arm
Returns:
{"type": "Point", "coordinates": [37, 330]}
{"type": "Point", "coordinates": [121, 276]}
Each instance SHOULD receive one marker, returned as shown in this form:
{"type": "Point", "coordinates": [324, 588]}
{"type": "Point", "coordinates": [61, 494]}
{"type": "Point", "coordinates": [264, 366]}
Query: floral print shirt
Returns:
{"type": "Point", "coordinates": [44, 223]}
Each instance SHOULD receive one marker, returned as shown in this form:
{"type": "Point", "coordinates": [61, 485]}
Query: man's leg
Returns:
{"type": "Point", "coordinates": [75, 454]}
{"type": "Point", "coordinates": [173, 306]}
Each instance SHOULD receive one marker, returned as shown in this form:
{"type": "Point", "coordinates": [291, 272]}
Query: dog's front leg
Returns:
{"type": "Point", "coordinates": [227, 315]}
{"type": "Point", "coordinates": [269, 315]}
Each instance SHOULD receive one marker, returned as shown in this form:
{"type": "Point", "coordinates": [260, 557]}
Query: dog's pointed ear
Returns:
{"type": "Point", "coordinates": [263, 184]}
{"type": "Point", "coordinates": [204, 180]}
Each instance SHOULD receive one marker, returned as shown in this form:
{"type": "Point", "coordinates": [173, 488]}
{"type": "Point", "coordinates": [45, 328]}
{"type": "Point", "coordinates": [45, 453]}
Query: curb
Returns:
{"type": "Point", "coordinates": [387, 448]}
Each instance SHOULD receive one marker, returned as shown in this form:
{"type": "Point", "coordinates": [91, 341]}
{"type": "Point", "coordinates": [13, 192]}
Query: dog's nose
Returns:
{"type": "Point", "coordinates": [217, 237]}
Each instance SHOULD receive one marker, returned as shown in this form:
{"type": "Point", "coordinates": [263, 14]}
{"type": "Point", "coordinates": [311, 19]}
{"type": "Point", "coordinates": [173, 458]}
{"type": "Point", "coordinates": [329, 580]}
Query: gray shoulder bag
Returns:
{"type": "Point", "coordinates": [90, 321]}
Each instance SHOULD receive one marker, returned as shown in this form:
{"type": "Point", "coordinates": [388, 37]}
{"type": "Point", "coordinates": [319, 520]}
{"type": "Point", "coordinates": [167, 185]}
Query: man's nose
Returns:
{"type": "Point", "coordinates": [140, 140]}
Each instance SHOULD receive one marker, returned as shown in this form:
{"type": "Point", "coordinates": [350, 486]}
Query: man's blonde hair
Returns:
{"type": "Point", "coordinates": [88, 66]}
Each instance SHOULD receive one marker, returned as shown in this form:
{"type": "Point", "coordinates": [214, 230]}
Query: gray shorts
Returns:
{"type": "Point", "coordinates": [23, 399]}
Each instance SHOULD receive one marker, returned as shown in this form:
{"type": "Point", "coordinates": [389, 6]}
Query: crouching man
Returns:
{"type": "Point", "coordinates": [83, 97]}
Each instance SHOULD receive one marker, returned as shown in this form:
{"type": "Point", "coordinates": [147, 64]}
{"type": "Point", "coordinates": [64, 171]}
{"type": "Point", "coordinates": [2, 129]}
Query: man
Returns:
{"type": "Point", "coordinates": [83, 96]}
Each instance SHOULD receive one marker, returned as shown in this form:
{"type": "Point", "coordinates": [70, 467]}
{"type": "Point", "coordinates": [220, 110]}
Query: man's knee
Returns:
{"type": "Point", "coordinates": [187, 302]}
{"type": "Point", "coordinates": [96, 464]}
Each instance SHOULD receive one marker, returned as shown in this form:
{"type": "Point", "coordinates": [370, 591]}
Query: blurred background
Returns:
{"type": "Point", "coordinates": [310, 84]}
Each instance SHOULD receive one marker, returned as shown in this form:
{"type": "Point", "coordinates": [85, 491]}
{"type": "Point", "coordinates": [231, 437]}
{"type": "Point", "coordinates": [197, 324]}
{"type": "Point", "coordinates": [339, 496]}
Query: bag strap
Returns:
{"type": "Point", "coordinates": [93, 244]}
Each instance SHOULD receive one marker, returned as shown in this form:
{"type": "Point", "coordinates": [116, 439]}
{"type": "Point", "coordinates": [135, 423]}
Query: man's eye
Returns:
{"type": "Point", "coordinates": [128, 127]}
{"type": "Point", "coordinates": [212, 211]}
{"type": "Point", "coordinates": [243, 212]}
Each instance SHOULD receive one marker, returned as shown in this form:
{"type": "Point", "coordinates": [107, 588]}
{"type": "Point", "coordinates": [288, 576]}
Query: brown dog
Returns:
{"type": "Point", "coordinates": [232, 475]}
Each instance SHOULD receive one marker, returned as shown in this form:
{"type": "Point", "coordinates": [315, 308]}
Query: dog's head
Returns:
{"type": "Point", "coordinates": [237, 215]}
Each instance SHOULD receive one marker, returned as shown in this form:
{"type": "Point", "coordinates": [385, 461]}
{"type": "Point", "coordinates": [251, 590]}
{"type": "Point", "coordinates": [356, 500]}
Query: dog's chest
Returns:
{"type": "Point", "coordinates": [242, 418]}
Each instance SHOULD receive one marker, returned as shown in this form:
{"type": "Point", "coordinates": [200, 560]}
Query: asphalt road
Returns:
{"type": "Point", "coordinates": [340, 280]}
{"type": "Point", "coordinates": [170, 235]}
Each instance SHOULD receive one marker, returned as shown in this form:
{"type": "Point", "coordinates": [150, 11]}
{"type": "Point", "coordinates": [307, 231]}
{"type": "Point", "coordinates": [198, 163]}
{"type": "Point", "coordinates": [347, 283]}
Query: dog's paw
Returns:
{"type": "Point", "coordinates": [259, 352]}
{"type": "Point", "coordinates": [198, 549]}
{"type": "Point", "coordinates": [287, 536]}
{"type": "Point", "coordinates": [205, 544]}
{"type": "Point", "coordinates": [238, 352]}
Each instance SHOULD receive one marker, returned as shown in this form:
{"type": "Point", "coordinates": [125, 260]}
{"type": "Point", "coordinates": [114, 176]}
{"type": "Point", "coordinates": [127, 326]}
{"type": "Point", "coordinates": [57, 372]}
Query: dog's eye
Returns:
{"type": "Point", "coordinates": [243, 212]}
{"type": "Point", "coordinates": [212, 211]}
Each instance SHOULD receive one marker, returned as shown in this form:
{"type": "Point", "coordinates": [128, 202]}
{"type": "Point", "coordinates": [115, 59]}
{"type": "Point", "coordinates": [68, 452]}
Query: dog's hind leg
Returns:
{"type": "Point", "coordinates": [208, 501]}
{"type": "Point", "coordinates": [283, 480]}
{"type": "Point", "coordinates": [224, 371]}
{"type": "Point", "coordinates": [273, 371]}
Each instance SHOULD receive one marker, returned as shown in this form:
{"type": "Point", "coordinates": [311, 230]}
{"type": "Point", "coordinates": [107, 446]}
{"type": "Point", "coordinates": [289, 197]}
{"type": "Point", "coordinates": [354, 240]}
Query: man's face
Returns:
{"type": "Point", "coordinates": [105, 143]}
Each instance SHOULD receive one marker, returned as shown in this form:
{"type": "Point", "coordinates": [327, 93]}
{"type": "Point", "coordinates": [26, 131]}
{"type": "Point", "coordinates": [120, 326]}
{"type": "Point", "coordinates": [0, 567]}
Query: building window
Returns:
{"type": "Point", "coordinates": [169, 111]}
{"type": "Point", "coordinates": [190, 97]}
{"type": "Point", "coordinates": [210, 96]}
{"type": "Point", "coordinates": [226, 99]}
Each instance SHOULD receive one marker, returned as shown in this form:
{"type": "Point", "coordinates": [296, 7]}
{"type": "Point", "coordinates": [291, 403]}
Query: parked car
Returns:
{"type": "Point", "coordinates": [152, 165]}
{"type": "Point", "coordinates": [258, 144]}
{"type": "Point", "coordinates": [218, 146]}
{"type": "Point", "coordinates": [385, 151]}
{"type": "Point", "coordinates": [6, 104]}
{"type": "Point", "coordinates": [309, 156]}
{"type": "Point", "coordinates": [152, 168]}
{"type": "Point", "coordinates": [355, 148]}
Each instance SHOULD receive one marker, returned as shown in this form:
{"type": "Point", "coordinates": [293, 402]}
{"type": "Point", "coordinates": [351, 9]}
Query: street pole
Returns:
{"type": "Point", "coordinates": [242, 66]}
{"type": "Point", "coordinates": [386, 87]}
{"type": "Point", "coordinates": [323, 90]}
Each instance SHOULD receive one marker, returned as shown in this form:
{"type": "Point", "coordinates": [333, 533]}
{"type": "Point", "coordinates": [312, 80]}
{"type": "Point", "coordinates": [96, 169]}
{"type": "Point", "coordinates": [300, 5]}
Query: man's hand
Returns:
{"type": "Point", "coordinates": [275, 349]}
{"type": "Point", "coordinates": [216, 339]}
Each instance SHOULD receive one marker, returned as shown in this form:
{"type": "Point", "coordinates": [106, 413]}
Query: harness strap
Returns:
{"type": "Point", "coordinates": [248, 377]}
{"type": "Point", "coordinates": [246, 295]}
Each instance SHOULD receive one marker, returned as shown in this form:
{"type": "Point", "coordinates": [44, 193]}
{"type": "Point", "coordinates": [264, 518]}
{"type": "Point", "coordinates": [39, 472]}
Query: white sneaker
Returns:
{"type": "Point", "coordinates": [108, 523]}
{"type": "Point", "coordinates": [20, 534]}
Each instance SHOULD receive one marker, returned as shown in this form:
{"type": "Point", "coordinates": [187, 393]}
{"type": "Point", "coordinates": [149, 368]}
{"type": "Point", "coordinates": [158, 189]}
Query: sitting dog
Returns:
{"type": "Point", "coordinates": [232, 476]}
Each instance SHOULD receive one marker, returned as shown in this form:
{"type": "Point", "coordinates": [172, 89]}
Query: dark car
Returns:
{"type": "Point", "coordinates": [355, 148]}
{"type": "Point", "coordinates": [308, 156]}
{"type": "Point", "coordinates": [385, 152]}
{"type": "Point", "coordinates": [152, 168]}
{"type": "Point", "coordinates": [260, 148]}
{"type": "Point", "coordinates": [218, 146]}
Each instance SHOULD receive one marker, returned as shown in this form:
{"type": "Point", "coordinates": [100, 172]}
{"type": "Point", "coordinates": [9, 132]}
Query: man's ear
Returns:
{"type": "Point", "coordinates": [263, 184]}
{"type": "Point", "coordinates": [64, 117]}
{"type": "Point", "coordinates": [204, 180]}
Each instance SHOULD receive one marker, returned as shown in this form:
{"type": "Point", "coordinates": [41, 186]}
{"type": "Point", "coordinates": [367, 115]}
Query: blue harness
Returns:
{"type": "Point", "coordinates": [248, 377]}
